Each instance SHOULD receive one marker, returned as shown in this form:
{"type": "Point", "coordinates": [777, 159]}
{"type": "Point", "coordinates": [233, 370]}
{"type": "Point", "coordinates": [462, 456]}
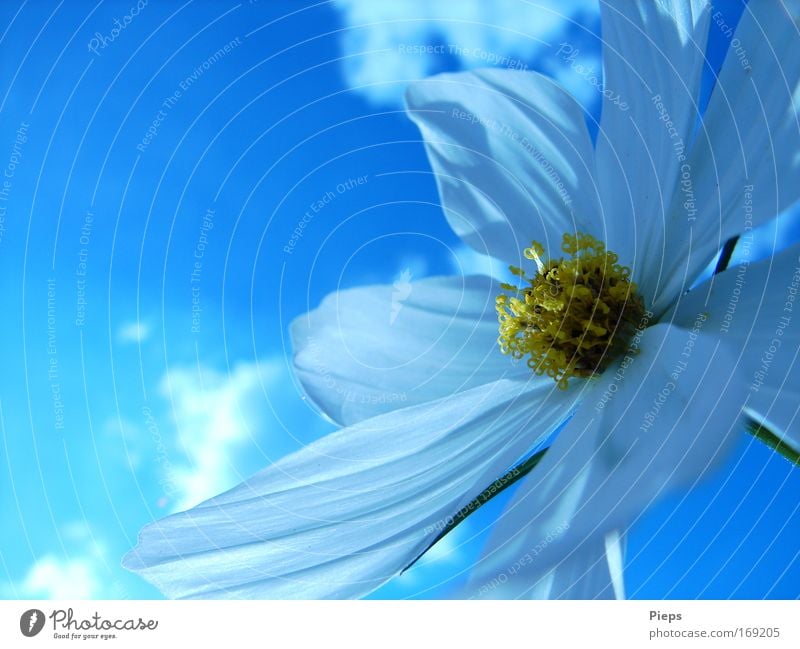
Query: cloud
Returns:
{"type": "Point", "coordinates": [133, 332]}
{"type": "Point", "coordinates": [385, 43]}
{"type": "Point", "coordinates": [86, 572]}
{"type": "Point", "coordinates": [54, 578]}
{"type": "Point", "coordinates": [79, 532]}
{"type": "Point", "coordinates": [215, 414]}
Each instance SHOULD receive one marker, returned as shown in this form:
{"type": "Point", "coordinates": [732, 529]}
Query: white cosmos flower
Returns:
{"type": "Point", "coordinates": [433, 412]}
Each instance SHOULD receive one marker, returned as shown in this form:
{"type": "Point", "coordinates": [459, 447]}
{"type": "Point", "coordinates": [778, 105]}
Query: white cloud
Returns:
{"type": "Point", "coordinates": [382, 39]}
{"type": "Point", "coordinates": [85, 573]}
{"type": "Point", "coordinates": [78, 532]}
{"type": "Point", "coordinates": [215, 414]}
{"type": "Point", "coordinates": [134, 332]}
{"type": "Point", "coordinates": [54, 578]}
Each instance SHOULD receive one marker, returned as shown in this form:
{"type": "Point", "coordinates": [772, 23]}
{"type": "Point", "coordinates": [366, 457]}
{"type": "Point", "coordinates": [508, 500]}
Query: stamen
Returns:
{"type": "Point", "coordinates": [574, 316]}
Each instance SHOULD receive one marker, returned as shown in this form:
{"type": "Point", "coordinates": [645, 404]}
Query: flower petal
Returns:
{"type": "Point", "coordinates": [512, 157]}
{"type": "Point", "coordinates": [755, 308]}
{"type": "Point", "coordinates": [350, 511]}
{"type": "Point", "coordinates": [655, 422]}
{"type": "Point", "coordinates": [744, 167]}
{"type": "Point", "coordinates": [653, 55]}
{"type": "Point", "coordinates": [585, 574]}
{"type": "Point", "coordinates": [370, 350]}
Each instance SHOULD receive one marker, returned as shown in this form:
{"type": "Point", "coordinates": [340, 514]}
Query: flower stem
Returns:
{"type": "Point", "coordinates": [494, 489]}
{"type": "Point", "coordinates": [774, 442]}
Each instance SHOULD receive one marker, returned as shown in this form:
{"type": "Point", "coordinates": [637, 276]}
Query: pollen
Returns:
{"type": "Point", "coordinates": [574, 316]}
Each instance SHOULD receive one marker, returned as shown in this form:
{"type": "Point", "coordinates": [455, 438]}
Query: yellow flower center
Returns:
{"type": "Point", "coordinates": [573, 317]}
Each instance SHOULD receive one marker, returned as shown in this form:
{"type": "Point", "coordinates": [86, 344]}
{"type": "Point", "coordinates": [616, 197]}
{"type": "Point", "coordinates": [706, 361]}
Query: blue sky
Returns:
{"type": "Point", "coordinates": [158, 173]}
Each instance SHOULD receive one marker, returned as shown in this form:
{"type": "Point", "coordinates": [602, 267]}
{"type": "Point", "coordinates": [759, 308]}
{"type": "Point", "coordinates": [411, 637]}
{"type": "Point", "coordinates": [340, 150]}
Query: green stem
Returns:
{"type": "Point", "coordinates": [773, 441]}
{"type": "Point", "coordinates": [494, 489]}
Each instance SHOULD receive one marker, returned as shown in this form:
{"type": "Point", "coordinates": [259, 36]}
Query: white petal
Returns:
{"type": "Point", "coordinates": [585, 574]}
{"type": "Point", "coordinates": [744, 167]}
{"type": "Point", "coordinates": [615, 555]}
{"type": "Point", "coordinates": [653, 55]}
{"type": "Point", "coordinates": [512, 157]}
{"type": "Point", "coordinates": [756, 309]}
{"type": "Point", "coordinates": [617, 456]}
{"type": "Point", "coordinates": [370, 350]}
{"type": "Point", "coordinates": [345, 514]}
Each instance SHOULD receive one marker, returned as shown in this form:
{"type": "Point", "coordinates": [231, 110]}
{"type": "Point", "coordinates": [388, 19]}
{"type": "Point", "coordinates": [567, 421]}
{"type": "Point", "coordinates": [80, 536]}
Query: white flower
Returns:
{"type": "Point", "coordinates": [433, 412]}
